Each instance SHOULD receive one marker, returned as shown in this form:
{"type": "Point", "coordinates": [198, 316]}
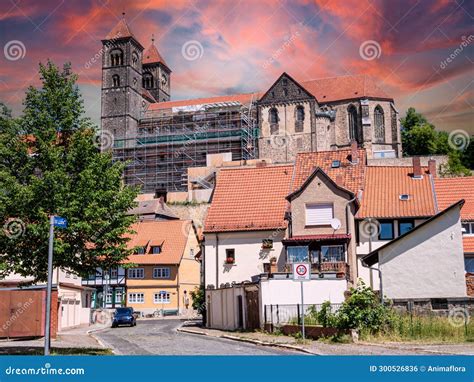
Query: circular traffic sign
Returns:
{"type": "Point", "coordinates": [301, 270]}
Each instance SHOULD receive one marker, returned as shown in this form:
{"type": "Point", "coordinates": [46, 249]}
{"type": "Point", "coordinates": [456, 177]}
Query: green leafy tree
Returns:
{"type": "Point", "coordinates": [199, 301]}
{"type": "Point", "coordinates": [50, 164]}
{"type": "Point", "coordinates": [419, 137]}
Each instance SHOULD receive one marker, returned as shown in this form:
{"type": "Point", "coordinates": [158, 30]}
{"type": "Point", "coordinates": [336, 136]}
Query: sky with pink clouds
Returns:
{"type": "Point", "coordinates": [422, 53]}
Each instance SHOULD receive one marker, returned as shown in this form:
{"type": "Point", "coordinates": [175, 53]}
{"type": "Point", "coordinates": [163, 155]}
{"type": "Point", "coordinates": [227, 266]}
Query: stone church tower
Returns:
{"type": "Point", "coordinates": [131, 79]}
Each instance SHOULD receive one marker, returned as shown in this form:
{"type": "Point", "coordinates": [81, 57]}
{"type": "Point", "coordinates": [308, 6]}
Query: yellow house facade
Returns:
{"type": "Point", "coordinates": [165, 269]}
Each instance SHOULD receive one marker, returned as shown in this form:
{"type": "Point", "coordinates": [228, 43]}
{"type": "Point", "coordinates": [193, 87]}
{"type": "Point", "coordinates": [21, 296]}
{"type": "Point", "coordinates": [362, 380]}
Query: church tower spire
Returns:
{"type": "Point", "coordinates": [156, 73]}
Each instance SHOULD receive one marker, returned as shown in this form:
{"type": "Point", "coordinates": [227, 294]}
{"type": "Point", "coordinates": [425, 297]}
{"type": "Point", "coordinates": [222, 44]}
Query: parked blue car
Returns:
{"type": "Point", "coordinates": [124, 316]}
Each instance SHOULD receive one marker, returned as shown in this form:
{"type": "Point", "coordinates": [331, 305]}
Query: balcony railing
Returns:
{"type": "Point", "coordinates": [341, 268]}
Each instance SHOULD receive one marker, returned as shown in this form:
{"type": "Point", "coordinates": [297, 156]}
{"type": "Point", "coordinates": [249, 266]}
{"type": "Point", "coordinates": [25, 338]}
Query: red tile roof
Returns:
{"type": "Point", "coordinates": [348, 175]}
{"type": "Point", "coordinates": [344, 87]}
{"type": "Point", "coordinates": [247, 199]}
{"type": "Point", "coordinates": [468, 243]}
{"type": "Point", "coordinates": [152, 56]}
{"type": "Point", "coordinates": [324, 90]}
{"type": "Point", "coordinates": [172, 234]}
{"type": "Point", "coordinates": [450, 190]}
{"type": "Point", "coordinates": [120, 30]}
{"type": "Point", "coordinates": [383, 187]}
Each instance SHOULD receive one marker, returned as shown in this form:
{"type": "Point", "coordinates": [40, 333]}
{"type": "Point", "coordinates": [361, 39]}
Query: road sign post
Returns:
{"type": "Point", "coordinates": [54, 221]}
{"type": "Point", "coordinates": [302, 273]}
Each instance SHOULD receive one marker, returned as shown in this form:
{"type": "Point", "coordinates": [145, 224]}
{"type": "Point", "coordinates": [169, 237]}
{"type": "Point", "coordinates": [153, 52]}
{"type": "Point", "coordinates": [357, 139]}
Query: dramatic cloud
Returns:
{"type": "Point", "coordinates": [421, 51]}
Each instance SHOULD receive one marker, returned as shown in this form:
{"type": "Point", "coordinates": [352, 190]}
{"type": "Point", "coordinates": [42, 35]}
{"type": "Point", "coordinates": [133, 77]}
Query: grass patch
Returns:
{"type": "Point", "coordinates": [407, 328]}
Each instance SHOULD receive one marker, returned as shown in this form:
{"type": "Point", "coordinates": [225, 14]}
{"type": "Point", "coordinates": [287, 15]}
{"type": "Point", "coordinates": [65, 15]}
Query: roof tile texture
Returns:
{"type": "Point", "coordinates": [383, 187]}
{"type": "Point", "coordinates": [451, 190]}
{"type": "Point", "coordinates": [348, 175]}
{"type": "Point", "coordinates": [173, 235]}
{"type": "Point", "coordinates": [247, 199]}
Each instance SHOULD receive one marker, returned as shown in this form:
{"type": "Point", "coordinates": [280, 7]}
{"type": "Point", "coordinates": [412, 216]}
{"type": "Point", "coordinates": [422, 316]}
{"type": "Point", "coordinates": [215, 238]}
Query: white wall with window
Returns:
{"type": "Point", "coordinates": [136, 298]}
{"type": "Point", "coordinates": [136, 273]}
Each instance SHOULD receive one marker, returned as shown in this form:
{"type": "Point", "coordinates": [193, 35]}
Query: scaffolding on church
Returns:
{"type": "Point", "coordinates": [171, 140]}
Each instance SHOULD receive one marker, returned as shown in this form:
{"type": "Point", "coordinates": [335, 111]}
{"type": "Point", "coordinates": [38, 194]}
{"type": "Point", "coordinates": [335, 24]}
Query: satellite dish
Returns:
{"type": "Point", "coordinates": [335, 224]}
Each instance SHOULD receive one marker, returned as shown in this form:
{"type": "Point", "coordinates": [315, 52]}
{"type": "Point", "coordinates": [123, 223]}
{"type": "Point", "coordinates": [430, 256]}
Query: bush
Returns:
{"type": "Point", "coordinates": [363, 310]}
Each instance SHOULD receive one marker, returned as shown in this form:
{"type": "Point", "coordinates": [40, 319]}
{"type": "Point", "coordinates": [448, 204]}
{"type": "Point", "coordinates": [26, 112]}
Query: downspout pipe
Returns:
{"type": "Point", "coordinates": [217, 260]}
{"type": "Point", "coordinates": [380, 278]}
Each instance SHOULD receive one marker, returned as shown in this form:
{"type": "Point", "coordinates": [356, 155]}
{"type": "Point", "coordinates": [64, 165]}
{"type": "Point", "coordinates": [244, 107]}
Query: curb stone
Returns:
{"type": "Point", "coordinates": [248, 340]}
{"type": "Point", "coordinates": [104, 345]}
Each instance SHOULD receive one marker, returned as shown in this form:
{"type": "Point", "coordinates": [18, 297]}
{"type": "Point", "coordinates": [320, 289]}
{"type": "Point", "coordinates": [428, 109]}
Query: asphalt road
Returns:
{"type": "Point", "coordinates": [161, 337]}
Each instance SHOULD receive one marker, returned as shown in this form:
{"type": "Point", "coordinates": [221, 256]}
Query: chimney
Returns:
{"type": "Point", "coordinates": [416, 167]}
{"type": "Point", "coordinates": [432, 167]}
{"type": "Point", "coordinates": [354, 152]}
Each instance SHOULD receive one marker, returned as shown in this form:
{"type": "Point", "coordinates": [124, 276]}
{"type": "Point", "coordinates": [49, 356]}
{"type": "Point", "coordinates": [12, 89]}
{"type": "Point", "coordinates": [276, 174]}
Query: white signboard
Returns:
{"type": "Point", "coordinates": [301, 272]}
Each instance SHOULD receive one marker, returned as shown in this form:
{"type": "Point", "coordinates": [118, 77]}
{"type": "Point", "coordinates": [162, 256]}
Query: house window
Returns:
{"type": "Point", "coordinates": [113, 273]}
{"type": "Point", "coordinates": [191, 253]}
{"type": "Point", "coordinates": [134, 58]}
{"type": "Point", "coordinates": [230, 256]}
{"type": "Point", "coordinates": [68, 275]}
{"type": "Point", "coordinates": [404, 226]}
{"type": "Point", "coordinates": [379, 124]}
{"type": "Point", "coordinates": [469, 264]}
{"type": "Point", "coordinates": [140, 250]}
{"type": "Point", "coordinates": [386, 230]}
{"type": "Point", "coordinates": [136, 298]}
{"type": "Point", "coordinates": [468, 228]}
{"type": "Point", "coordinates": [161, 273]}
{"type": "Point", "coordinates": [352, 115]}
{"type": "Point", "coordinates": [118, 296]}
{"type": "Point", "coordinates": [297, 254]}
{"type": "Point", "coordinates": [332, 253]}
{"type": "Point", "coordinates": [136, 273]}
{"type": "Point", "coordinates": [319, 214]}
{"type": "Point", "coordinates": [115, 81]}
{"type": "Point", "coordinates": [161, 298]}
{"type": "Point", "coordinates": [108, 297]}
{"type": "Point", "coordinates": [156, 249]}
{"type": "Point", "coordinates": [116, 57]}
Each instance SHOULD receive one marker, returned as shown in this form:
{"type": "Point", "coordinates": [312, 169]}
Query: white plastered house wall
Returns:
{"type": "Point", "coordinates": [426, 262]}
{"type": "Point", "coordinates": [249, 255]}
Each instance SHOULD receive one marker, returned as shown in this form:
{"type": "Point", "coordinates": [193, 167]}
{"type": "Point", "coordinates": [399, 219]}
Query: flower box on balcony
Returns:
{"type": "Point", "coordinates": [229, 260]}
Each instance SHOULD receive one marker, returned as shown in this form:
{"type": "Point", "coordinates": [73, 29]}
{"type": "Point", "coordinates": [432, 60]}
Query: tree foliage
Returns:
{"type": "Point", "coordinates": [50, 164]}
{"type": "Point", "coordinates": [419, 137]}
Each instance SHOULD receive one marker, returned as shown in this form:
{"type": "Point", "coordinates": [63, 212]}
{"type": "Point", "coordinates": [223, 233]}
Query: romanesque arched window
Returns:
{"type": "Point", "coordinates": [115, 81]}
{"type": "Point", "coordinates": [379, 124]}
{"type": "Point", "coordinates": [299, 119]}
{"type": "Point", "coordinates": [148, 81]}
{"type": "Point", "coordinates": [273, 119]}
{"type": "Point", "coordinates": [353, 130]}
{"type": "Point", "coordinates": [116, 57]}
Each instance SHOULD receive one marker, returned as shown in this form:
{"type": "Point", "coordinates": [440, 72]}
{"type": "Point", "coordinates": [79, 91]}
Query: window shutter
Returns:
{"type": "Point", "coordinates": [319, 214]}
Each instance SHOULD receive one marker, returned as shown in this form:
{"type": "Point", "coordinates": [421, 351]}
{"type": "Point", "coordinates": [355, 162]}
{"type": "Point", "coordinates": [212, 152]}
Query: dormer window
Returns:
{"type": "Point", "coordinates": [404, 197]}
{"type": "Point", "coordinates": [140, 250]}
{"type": "Point", "coordinates": [156, 249]}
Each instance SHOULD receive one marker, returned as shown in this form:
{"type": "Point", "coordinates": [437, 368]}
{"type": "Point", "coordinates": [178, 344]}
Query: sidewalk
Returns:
{"type": "Point", "coordinates": [323, 348]}
{"type": "Point", "coordinates": [71, 341]}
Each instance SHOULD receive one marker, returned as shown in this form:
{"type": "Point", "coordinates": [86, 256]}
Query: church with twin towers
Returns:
{"type": "Point", "coordinates": [160, 137]}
